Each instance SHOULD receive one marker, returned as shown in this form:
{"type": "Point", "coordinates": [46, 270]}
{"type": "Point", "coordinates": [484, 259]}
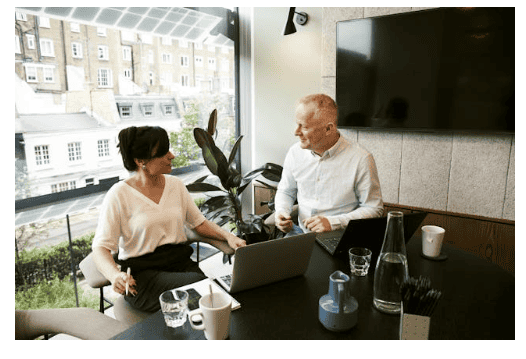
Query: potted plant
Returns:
{"type": "Point", "coordinates": [224, 203]}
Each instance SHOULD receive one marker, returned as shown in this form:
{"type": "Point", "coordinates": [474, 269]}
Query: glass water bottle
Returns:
{"type": "Point", "coordinates": [391, 267]}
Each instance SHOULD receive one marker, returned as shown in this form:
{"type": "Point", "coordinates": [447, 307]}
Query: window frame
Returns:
{"type": "Point", "coordinates": [45, 76]}
{"type": "Point", "coordinates": [147, 109]}
{"type": "Point", "coordinates": [74, 27]}
{"type": "Point", "coordinates": [125, 110]}
{"type": "Point", "coordinates": [126, 53]}
{"type": "Point", "coordinates": [108, 77]}
{"type": "Point", "coordinates": [29, 70]}
{"type": "Point", "coordinates": [31, 44]}
{"type": "Point", "coordinates": [44, 22]}
{"type": "Point", "coordinates": [103, 52]}
{"type": "Point", "coordinates": [184, 61]}
{"type": "Point", "coordinates": [103, 148]}
{"type": "Point", "coordinates": [76, 46]}
{"type": "Point", "coordinates": [31, 202]}
{"type": "Point", "coordinates": [42, 155]}
{"type": "Point", "coordinates": [47, 48]}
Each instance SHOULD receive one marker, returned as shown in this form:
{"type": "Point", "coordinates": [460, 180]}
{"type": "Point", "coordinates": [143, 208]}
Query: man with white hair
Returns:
{"type": "Point", "coordinates": [333, 180]}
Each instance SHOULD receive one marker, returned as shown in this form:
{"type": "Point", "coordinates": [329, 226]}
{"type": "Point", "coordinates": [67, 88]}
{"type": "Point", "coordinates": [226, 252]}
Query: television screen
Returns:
{"type": "Point", "coordinates": [438, 69]}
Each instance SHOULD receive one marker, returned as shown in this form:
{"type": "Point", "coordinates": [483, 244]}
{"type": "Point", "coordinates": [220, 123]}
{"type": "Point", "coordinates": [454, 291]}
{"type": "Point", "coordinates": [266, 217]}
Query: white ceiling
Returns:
{"type": "Point", "coordinates": [176, 22]}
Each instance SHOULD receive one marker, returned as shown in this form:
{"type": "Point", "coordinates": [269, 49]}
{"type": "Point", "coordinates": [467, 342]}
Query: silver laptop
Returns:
{"type": "Point", "coordinates": [266, 262]}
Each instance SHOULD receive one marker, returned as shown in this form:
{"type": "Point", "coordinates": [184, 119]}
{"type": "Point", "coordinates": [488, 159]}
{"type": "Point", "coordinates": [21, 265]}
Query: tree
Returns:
{"type": "Point", "coordinates": [183, 143]}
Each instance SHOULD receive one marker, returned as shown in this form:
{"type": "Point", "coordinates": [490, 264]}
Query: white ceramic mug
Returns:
{"type": "Point", "coordinates": [432, 237]}
{"type": "Point", "coordinates": [215, 315]}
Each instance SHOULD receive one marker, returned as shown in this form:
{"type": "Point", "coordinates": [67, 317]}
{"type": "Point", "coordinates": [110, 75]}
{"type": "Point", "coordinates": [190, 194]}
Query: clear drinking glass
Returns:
{"type": "Point", "coordinates": [174, 305]}
{"type": "Point", "coordinates": [360, 260]}
{"type": "Point", "coordinates": [391, 267]}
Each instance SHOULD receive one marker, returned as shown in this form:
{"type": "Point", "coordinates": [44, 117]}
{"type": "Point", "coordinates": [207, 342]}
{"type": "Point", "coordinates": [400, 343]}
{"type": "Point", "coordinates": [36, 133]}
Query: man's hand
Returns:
{"type": "Point", "coordinates": [284, 222]}
{"type": "Point", "coordinates": [318, 224]}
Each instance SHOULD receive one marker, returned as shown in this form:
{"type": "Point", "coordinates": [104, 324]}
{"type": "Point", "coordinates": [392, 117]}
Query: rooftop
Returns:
{"type": "Point", "coordinates": [56, 122]}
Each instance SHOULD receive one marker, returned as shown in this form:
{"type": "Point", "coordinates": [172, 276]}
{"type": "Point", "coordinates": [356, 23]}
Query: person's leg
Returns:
{"type": "Point", "coordinates": [151, 283]}
{"type": "Point", "coordinates": [174, 269]}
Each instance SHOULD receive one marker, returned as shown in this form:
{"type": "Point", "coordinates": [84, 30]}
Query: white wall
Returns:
{"type": "Point", "coordinates": [285, 68]}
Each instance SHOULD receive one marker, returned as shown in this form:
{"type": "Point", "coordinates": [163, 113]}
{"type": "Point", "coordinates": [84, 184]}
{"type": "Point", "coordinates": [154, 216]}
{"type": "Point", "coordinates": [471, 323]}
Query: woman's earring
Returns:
{"type": "Point", "coordinates": [144, 167]}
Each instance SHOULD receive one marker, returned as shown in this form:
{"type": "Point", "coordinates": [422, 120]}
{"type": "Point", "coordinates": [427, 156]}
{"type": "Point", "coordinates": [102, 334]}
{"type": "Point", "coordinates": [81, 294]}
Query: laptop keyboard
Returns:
{"type": "Point", "coordinates": [227, 279]}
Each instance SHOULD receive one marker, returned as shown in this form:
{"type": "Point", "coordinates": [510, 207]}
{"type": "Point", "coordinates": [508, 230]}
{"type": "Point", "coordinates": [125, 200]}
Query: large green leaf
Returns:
{"type": "Point", "coordinates": [202, 187]}
{"type": "Point", "coordinates": [201, 179]}
{"type": "Point", "coordinates": [234, 150]}
{"type": "Point", "coordinates": [272, 172]}
{"type": "Point", "coordinates": [215, 203]}
{"type": "Point", "coordinates": [212, 123]}
{"type": "Point", "coordinates": [202, 137]}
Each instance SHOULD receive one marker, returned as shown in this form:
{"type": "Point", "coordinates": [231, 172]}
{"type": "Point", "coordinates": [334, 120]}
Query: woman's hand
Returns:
{"type": "Point", "coordinates": [119, 284]}
{"type": "Point", "coordinates": [235, 242]}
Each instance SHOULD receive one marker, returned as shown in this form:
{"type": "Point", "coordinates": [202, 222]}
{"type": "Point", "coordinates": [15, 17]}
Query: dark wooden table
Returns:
{"type": "Point", "coordinates": [478, 302]}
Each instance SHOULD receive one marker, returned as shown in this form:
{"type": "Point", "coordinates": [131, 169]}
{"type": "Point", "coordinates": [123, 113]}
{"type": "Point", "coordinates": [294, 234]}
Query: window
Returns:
{"type": "Point", "coordinates": [63, 186]}
{"type": "Point", "coordinates": [42, 155]}
{"type": "Point", "coordinates": [104, 148]}
{"type": "Point", "coordinates": [199, 80]}
{"type": "Point", "coordinates": [166, 78]}
{"type": "Point", "coordinates": [150, 56]}
{"type": "Point", "coordinates": [20, 16]}
{"type": "Point", "coordinates": [31, 73]}
{"type": "Point", "coordinates": [184, 61]}
{"type": "Point", "coordinates": [185, 80]}
{"type": "Point", "coordinates": [146, 39]}
{"type": "Point", "coordinates": [128, 36]}
{"type": "Point", "coordinates": [103, 52]}
{"type": "Point", "coordinates": [30, 41]}
{"type": "Point", "coordinates": [167, 58]}
{"type": "Point", "coordinates": [75, 27]}
{"type": "Point", "coordinates": [167, 40]}
{"type": "Point", "coordinates": [199, 61]}
{"type": "Point", "coordinates": [44, 22]}
{"type": "Point", "coordinates": [198, 45]}
{"type": "Point", "coordinates": [168, 109]}
{"type": "Point", "coordinates": [212, 63]}
{"type": "Point", "coordinates": [74, 153]}
{"type": "Point", "coordinates": [47, 49]}
{"type": "Point", "coordinates": [49, 75]}
{"type": "Point", "coordinates": [76, 50]}
{"type": "Point", "coordinates": [151, 76]}
{"type": "Point", "coordinates": [225, 65]}
{"type": "Point", "coordinates": [104, 78]}
{"type": "Point", "coordinates": [147, 110]}
{"type": "Point", "coordinates": [88, 69]}
{"type": "Point", "coordinates": [126, 53]}
{"type": "Point", "coordinates": [125, 110]}
{"type": "Point", "coordinates": [90, 181]}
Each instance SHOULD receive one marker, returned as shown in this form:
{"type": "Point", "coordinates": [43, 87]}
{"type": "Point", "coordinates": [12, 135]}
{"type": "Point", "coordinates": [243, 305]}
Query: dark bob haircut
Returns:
{"type": "Point", "coordinates": [140, 142]}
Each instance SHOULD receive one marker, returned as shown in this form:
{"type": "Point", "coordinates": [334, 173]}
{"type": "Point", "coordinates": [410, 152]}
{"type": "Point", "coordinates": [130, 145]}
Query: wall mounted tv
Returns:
{"type": "Point", "coordinates": [433, 70]}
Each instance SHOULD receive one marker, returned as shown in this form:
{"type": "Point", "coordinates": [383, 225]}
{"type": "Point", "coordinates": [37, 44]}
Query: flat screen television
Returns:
{"type": "Point", "coordinates": [446, 69]}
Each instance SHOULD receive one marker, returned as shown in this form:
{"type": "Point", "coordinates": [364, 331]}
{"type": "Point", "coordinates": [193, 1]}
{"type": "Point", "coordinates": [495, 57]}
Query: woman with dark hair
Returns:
{"type": "Point", "coordinates": [143, 218]}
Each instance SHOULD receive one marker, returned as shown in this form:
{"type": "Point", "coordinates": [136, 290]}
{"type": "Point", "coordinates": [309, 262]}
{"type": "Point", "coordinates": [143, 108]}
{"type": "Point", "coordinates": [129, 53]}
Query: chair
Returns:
{"type": "Point", "coordinates": [82, 323]}
{"type": "Point", "coordinates": [122, 310]}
